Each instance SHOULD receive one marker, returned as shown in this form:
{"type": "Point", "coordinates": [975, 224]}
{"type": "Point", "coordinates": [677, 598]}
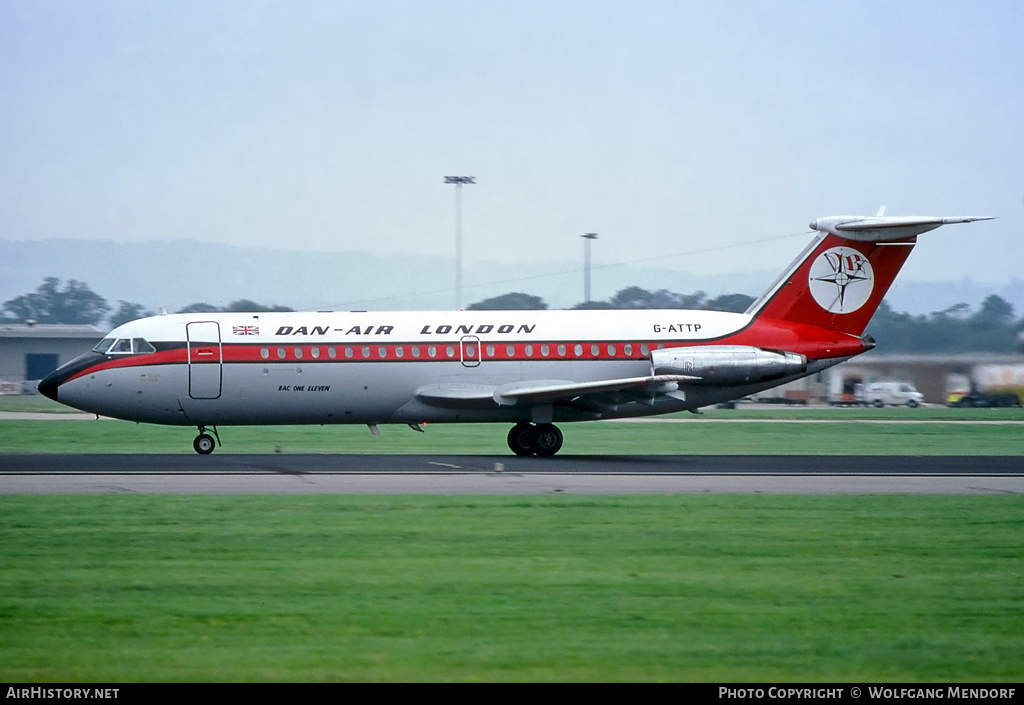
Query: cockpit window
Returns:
{"type": "Point", "coordinates": [104, 345]}
{"type": "Point", "coordinates": [124, 346]}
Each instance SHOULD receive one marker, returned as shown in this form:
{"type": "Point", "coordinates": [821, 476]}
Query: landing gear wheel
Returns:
{"type": "Point", "coordinates": [519, 439]}
{"type": "Point", "coordinates": [546, 439]}
{"type": "Point", "coordinates": [203, 444]}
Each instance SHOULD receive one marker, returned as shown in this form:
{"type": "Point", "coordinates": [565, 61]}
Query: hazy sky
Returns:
{"type": "Point", "coordinates": [667, 127]}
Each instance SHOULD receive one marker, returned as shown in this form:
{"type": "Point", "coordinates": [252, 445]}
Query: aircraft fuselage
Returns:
{"type": "Point", "coordinates": [324, 368]}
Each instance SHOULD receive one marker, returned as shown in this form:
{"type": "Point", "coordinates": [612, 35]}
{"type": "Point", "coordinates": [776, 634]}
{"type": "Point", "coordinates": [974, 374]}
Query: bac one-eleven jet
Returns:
{"type": "Point", "coordinates": [527, 368]}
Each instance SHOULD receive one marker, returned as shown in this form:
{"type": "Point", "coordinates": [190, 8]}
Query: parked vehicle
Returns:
{"type": "Point", "coordinates": [881, 394]}
{"type": "Point", "coordinates": [849, 394]}
{"type": "Point", "coordinates": [984, 399]}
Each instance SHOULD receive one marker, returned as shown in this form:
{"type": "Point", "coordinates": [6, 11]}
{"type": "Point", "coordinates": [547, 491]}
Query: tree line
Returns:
{"type": "Point", "coordinates": [992, 328]}
{"type": "Point", "coordinates": [631, 297]}
{"type": "Point", "coordinates": [74, 302]}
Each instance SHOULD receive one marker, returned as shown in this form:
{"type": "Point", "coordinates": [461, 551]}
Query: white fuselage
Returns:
{"type": "Point", "coordinates": [366, 367]}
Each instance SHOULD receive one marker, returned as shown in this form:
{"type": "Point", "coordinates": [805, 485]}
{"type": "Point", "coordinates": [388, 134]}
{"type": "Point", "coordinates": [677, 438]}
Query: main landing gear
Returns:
{"type": "Point", "coordinates": [204, 443]}
{"type": "Point", "coordinates": [530, 439]}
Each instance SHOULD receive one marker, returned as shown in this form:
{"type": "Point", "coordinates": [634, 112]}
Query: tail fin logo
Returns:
{"type": "Point", "coordinates": [841, 280]}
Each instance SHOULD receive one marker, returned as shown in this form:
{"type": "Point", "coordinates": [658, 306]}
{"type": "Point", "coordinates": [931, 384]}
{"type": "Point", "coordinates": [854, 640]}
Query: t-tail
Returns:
{"type": "Point", "coordinates": [839, 280]}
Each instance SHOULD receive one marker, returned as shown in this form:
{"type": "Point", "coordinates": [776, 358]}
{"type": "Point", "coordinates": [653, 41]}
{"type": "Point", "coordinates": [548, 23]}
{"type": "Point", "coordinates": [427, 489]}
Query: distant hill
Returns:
{"type": "Point", "coordinates": [175, 274]}
{"type": "Point", "coordinates": [181, 272]}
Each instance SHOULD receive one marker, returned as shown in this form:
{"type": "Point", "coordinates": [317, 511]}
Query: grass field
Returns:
{"type": "Point", "coordinates": [840, 433]}
{"type": "Point", "coordinates": [720, 588]}
{"type": "Point", "coordinates": [645, 588]}
{"type": "Point", "coordinates": [847, 431]}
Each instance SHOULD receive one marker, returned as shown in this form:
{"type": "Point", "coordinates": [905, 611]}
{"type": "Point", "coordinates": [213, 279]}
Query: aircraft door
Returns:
{"type": "Point", "coordinates": [204, 360]}
{"type": "Point", "coordinates": [469, 347]}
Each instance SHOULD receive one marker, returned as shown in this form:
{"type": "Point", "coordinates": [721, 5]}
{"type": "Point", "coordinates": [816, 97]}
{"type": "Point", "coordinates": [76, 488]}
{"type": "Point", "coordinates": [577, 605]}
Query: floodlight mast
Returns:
{"type": "Point", "coordinates": [458, 181]}
{"type": "Point", "coordinates": [587, 237]}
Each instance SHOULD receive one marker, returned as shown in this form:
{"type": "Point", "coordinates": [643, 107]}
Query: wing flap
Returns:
{"type": "Point", "coordinates": [602, 393]}
{"type": "Point", "coordinates": [549, 391]}
{"type": "Point", "coordinates": [457, 396]}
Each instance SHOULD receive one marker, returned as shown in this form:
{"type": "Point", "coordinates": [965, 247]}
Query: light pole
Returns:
{"type": "Point", "coordinates": [587, 237]}
{"type": "Point", "coordinates": [458, 181]}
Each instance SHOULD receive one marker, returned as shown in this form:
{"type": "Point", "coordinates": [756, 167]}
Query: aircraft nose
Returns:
{"type": "Point", "coordinates": [51, 383]}
{"type": "Point", "coordinates": [48, 386]}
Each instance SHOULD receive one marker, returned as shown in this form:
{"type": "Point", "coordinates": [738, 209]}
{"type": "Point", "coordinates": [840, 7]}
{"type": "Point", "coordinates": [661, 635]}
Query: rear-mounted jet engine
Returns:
{"type": "Point", "coordinates": [727, 364]}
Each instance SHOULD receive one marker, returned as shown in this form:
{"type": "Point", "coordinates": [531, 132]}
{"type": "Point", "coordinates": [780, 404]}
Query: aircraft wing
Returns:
{"type": "Point", "coordinates": [600, 394]}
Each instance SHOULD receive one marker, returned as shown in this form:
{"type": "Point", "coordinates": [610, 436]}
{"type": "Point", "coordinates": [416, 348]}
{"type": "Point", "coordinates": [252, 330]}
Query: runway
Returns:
{"type": "Point", "coordinates": [470, 474]}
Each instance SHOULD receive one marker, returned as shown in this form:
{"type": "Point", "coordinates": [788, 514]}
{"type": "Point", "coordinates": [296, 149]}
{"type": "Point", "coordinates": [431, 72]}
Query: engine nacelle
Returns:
{"type": "Point", "coordinates": [727, 364]}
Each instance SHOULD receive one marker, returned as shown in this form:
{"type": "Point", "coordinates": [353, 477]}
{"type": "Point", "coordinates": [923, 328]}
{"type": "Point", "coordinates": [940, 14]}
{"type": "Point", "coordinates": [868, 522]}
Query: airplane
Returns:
{"type": "Point", "coordinates": [527, 368]}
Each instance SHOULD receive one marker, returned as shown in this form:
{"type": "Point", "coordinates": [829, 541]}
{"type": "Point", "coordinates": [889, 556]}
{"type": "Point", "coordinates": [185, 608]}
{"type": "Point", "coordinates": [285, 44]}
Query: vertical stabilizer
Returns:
{"type": "Point", "coordinates": [839, 280]}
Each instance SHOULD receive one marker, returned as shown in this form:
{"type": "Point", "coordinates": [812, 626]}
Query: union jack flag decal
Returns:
{"type": "Point", "coordinates": [245, 330]}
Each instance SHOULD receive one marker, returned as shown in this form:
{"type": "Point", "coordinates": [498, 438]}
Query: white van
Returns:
{"type": "Point", "coordinates": [893, 393]}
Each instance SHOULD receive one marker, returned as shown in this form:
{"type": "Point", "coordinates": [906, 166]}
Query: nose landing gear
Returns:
{"type": "Point", "coordinates": [543, 439]}
{"type": "Point", "coordinates": [204, 443]}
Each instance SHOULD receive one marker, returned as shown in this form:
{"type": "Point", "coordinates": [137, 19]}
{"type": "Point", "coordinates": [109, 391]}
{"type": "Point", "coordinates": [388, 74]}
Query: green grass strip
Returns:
{"type": "Point", "coordinates": [594, 438]}
{"type": "Point", "coordinates": [645, 588]}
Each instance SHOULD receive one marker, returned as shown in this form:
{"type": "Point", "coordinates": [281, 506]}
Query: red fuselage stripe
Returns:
{"type": "Point", "coordinates": [811, 341]}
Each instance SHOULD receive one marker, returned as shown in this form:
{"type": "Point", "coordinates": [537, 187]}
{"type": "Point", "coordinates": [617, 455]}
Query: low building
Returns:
{"type": "Point", "coordinates": [30, 351]}
{"type": "Point", "coordinates": [936, 375]}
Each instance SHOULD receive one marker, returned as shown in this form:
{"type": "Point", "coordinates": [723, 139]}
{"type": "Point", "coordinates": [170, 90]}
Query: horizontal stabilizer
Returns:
{"type": "Point", "coordinates": [885, 229]}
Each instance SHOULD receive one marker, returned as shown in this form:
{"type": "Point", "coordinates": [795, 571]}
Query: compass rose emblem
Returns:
{"type": "Point", "coordinates": [841, 280]}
